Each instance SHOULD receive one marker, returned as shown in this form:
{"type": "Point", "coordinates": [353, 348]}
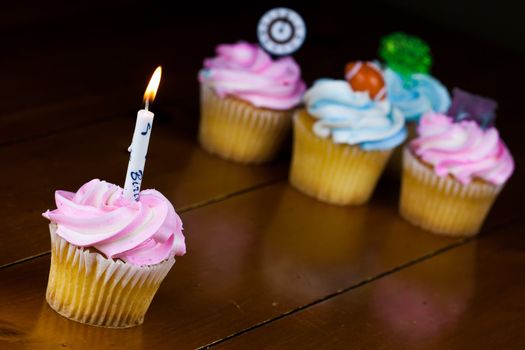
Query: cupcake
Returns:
{"type": "Point", "coordinates": [344, 137]}
{"type": "Point", "coordinates": [109, 254]}
{"type": "Point", "coordinates": [455, 168]}
{"type": "Point", "coordinates": [409, 86]}
{"type": "Point", "coordinates": [247, 102]}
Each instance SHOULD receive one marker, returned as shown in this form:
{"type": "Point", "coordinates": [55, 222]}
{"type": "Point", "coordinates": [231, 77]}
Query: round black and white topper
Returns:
{"type": "Point", "coordinates": [281, 31]}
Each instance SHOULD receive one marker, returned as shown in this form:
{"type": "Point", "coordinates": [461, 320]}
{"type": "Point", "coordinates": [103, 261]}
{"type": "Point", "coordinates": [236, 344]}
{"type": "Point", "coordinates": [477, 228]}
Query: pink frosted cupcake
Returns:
{"type": "Point", "coordinates": [247, 102]}
{"type": "Point", "coordinates": [454, 169]}
{"type": "Point", "coordinates": [109, 254]}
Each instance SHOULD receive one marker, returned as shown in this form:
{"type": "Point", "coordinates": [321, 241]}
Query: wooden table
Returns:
{"type": "Point", "coordinates": [267, 267]}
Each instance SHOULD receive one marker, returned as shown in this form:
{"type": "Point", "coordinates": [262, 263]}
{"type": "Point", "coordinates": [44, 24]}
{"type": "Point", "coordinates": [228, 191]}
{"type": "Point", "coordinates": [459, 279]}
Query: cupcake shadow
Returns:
{"type": "Point", "coordinates": [316, 245]}
{"type": "Point", "coordinates": [54, 331]}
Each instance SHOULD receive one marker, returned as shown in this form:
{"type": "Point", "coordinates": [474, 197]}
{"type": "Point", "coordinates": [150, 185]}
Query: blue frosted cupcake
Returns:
{"type": "Point", "coordinates": [342, 140]}
{"type": "Point", "coordinates": [409, 85]}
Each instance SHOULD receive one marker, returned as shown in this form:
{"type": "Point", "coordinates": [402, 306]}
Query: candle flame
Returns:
{"type": "Point", "coordinates": [153, 85]}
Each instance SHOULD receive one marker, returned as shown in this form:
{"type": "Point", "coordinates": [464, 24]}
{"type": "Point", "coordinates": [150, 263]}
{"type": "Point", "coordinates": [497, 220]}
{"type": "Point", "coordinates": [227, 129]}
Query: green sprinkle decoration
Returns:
{"type": "Point", "coordinates": [405, 54]}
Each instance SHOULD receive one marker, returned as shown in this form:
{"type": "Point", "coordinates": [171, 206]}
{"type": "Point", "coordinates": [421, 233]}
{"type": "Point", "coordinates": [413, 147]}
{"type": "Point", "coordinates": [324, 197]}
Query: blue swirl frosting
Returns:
{"type": "Point", "coordinates": [421, 94]}
{"type": "Point", "coordinates": [351, 117]}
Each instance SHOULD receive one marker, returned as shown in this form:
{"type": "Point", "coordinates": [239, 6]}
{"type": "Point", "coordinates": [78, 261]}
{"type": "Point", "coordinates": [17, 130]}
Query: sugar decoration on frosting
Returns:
{"type": "Point", "coordinates": [405, 54]}
{"type": "Point", "coordinates": [409, 85]}
{"type": "Point", "coordinates": [281, 31]}
{"type": "Point", "coordinates": [366, 76]}
{"type": "Point", "coordinates": [467, 106]}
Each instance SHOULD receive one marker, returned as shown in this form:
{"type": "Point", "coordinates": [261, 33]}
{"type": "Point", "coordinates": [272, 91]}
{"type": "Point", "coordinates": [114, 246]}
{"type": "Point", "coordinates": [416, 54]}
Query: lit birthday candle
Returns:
{"type": "Point", "coordinates": [139, 144]}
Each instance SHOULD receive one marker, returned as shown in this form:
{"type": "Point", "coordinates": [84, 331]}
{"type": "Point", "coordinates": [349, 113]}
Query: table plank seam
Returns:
{"type": "Point", "coordinates": [27, 258]}
{"type": "Point", "coordinates": [510, 222]}
{"type": "Point", "coordinates": [227, 196]}
{"type": "Point", "coordinates": [339, 292]}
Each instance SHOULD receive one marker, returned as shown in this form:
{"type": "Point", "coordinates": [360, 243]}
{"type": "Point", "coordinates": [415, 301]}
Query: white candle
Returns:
{"type": "Point", "coordinates": [138, 151]}
{"type": "Point", "coordinates": [139, 144]}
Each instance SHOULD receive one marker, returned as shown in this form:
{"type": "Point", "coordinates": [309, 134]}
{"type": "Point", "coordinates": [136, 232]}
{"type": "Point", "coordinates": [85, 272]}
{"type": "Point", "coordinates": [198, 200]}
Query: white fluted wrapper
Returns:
{"type": "Point", "coordinates": [238, 131]}
{"type": "Point", "coordinates": [86, 287]}
{"type": "Point", "coordinates": [443, 205]}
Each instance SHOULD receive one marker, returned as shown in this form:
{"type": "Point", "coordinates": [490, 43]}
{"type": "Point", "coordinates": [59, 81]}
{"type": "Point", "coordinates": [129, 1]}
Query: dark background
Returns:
{"type": "Point", "coordinates": [57, 51]}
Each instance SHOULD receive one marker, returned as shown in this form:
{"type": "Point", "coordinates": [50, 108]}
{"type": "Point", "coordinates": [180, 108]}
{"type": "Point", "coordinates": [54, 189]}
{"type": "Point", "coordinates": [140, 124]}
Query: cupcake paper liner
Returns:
{"type": "Point", "coordinates": [333, 173]}
{"type": "Point", "coordinates": [52, 331]}
{"type": "Point", "coordinates": [443, 205]}
{"type": "Point", "coordinates": [86, 287]}
{"type": "Point", "coordinates": [236, 130]}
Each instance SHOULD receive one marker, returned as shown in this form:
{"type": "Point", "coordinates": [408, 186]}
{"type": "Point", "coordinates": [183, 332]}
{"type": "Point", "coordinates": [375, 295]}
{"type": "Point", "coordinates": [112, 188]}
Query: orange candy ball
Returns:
{"type": "Point", "coordinates": [365, 76]}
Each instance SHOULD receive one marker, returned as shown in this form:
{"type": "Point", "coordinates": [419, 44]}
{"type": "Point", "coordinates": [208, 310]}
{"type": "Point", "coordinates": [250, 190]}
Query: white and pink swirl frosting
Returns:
{"type": "Point", "coordinates": [247, 72]}
{"type": "Point", "coordinates": [143, 232]}
{"type": "Point", "coordinates": [462, 149]}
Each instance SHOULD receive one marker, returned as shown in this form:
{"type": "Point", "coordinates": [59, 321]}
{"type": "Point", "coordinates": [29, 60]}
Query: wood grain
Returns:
{"type": "Point", "coordinates": [250, 258]}
{"type": "Point", "coordinates": [466, 298]}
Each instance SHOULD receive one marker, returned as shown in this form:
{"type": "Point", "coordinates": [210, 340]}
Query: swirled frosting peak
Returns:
{"type": "Point", "coordinates": [352, 117]}
{"type": "Point", "coordinates": [143, 232]}
{"type": "Point", "coordinates": [463, 149]}
{"type": "Point", "coordinates": [247, 72]}
{"type": "Point", "coordinates": [418, 94]}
